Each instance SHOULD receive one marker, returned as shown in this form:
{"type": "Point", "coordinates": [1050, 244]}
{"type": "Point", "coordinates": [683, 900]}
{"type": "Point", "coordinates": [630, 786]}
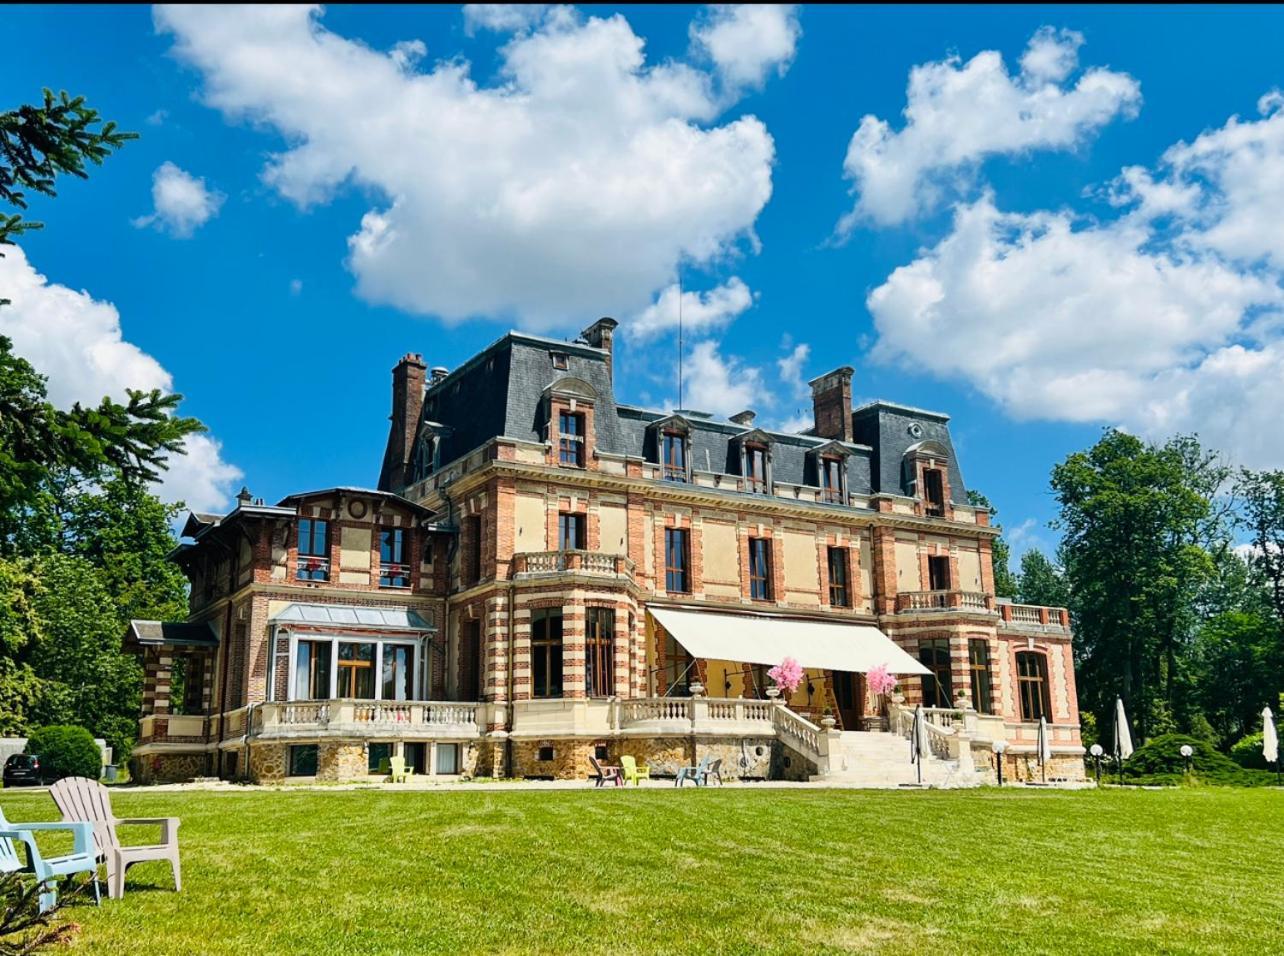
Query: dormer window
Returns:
{"type": "Point", "coordinates": [673, 456]}
{"type": "Point", "coordinates": [570, 429]}
{"type": "Point", "coordinates": [755, 469]}
{"type": "Point", "coordinates": [833, 481]}
{"type": "Point", "coordinates": [561, 360]}
{"type": "Point", "coordinates": [934, 492]}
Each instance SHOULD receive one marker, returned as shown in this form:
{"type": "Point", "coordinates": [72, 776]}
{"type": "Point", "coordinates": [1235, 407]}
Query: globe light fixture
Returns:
{"type": "Point", "coordinates": [1097, 750]}
{"type": "Point", "coordinates": [1187, 751]}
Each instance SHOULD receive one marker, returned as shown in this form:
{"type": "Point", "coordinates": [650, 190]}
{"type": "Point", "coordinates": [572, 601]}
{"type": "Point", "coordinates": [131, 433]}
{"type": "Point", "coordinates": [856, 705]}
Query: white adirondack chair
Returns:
{"type": "Point", "coordinates": [83, 800]}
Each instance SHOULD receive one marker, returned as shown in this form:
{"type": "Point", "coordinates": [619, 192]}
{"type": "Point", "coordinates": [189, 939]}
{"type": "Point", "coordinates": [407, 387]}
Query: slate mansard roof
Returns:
{"type": "Point", "coordinates": [501, 392]}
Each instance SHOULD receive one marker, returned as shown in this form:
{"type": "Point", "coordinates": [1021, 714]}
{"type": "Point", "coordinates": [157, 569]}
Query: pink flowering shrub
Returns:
{"type": "Point", "coordinates": [879, 681]}
{"type": "Point", "coordinates": [788, 674]}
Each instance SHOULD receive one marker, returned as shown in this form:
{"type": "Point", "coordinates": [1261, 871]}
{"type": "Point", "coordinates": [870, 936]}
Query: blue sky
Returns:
{"type": "Point", "coordinates": [513, 170]}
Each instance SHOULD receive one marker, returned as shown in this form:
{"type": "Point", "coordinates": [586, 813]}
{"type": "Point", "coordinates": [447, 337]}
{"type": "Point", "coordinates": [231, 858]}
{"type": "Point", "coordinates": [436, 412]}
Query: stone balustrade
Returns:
{"type": "Point", "coordinates": [916, 601]}
{"type": "Point", "coordinates": [1032, 617]}
{"type": "Point", "coordinates": [598, 563]}
{"type": "Point", "coordinates": [368, 718]}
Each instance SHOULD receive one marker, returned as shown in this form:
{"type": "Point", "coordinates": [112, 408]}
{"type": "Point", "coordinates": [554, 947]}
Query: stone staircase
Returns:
{"type": "Point", "coordinates": [882, 760]}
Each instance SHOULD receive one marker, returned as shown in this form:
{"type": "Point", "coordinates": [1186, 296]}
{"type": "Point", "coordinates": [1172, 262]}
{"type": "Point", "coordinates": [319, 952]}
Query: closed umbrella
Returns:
{"type": "Point", "coordinates": [1270, 741]}
{"type": "Point", "coordinates": [918, 740]}
{"type": "Point", "coordinates": [1045, 747]}
{"type": "Point", "coordinates": [1123, 737]}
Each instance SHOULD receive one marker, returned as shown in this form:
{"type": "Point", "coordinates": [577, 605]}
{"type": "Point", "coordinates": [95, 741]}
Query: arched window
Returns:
{"type": "Point", "coordinates": [1032, 685]}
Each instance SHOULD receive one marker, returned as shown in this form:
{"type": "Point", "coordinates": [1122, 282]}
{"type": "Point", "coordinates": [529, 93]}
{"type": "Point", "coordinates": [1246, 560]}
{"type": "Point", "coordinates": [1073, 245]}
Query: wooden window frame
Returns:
{"type": "Point", "coordinates": [677, 541]}
{"type": "Point", "coordinates": [934, 689]}
{"type": "Point", "coordinates": [551, 649]}
{"type": "Point", "coordinates": [1030, 685]}
{"type": "Point", "coordinates": [760, 577]}
{"type": "Point", "coordinates": [833, 494]}
{"type": "Point", "coordinates": [675, 471]}
{"type": "Point", "coordinates": [839, 590]}
{"type": "Point", "coordinates": [394, 572]}
{"type": "Point", "coordinates": [934, 503]}
{"type": "Point", "coordinates": [757, 484]}
{"type": "Point", "coordinates": [939, 561]}
{"type": "Point", "coordinates": [572, 519]}
{"type": "Point", "coordinates": [571, 443]}
{"type": "Point", "coordinates": [312, 565]}
{"type": "Point", "coordinates": [599, 651]}
{"type": "Point", "coordinates": [981, 674]}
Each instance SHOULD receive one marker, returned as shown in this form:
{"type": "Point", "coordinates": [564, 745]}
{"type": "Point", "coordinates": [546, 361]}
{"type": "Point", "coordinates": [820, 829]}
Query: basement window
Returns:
{"type": "Point", "coordinates": [545, 754]}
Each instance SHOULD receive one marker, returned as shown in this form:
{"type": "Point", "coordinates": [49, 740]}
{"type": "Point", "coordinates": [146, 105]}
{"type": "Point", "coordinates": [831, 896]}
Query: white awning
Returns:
{"type": "Point", "coordinates": [760, 639]}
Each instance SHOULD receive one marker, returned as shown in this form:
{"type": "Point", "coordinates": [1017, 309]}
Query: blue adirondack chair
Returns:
{"type": "Point", "coordinates": [696, 774]}
{"type": "Point", "coordinates": [47, 869]}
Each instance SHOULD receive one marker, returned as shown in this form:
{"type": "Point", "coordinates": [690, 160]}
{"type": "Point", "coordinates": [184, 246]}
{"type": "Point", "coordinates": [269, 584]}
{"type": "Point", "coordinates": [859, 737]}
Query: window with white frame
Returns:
{"type": "Point", "coordinates": [377, 668]}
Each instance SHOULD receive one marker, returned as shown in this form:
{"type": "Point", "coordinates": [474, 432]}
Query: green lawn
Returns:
{"type": "Point", "coordinates": [737, 870]}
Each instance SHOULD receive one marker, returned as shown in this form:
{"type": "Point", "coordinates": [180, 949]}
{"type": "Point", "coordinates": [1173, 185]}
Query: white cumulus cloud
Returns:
{"type": "Point", "coordinates": [958, 114]}
{"type": "Point", "coordinates": [181, 202]}
{"type": "Point", "coordinates": [718, 384]}
{"type": "Point", "coordinates": [502, 17]}
{"type": "Point", "coordinates": [747, 42]}
{"type": "Point", "coordinates": [76, 341]}
{"type": "Point", "coordinates": [700, 311]}
{"type": "Point", "coordinates": [580, 178]}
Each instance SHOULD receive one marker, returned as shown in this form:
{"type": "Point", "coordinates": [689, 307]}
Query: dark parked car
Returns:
{"type": "Point", "coordinates": [22, 770]}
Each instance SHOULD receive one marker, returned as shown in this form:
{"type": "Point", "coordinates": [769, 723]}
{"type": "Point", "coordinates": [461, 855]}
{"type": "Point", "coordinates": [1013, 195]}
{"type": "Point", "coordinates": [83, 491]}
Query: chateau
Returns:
{"type": "Point", "coordinates": [544, 574]}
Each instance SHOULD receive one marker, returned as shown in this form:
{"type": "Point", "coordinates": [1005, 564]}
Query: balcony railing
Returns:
{"type": "Point", "coordinates": [365, 717]}
{"type": "Point", "coordinates": [312, 567]}
{"type": "Point", "coordinates": [910, 601]}
{"type": "Point", "coordinates": [531, 563]}
{"type": "Point", "coordinates": [394, 575]}
{"type": "Point", "coordinates": [1032, 617]}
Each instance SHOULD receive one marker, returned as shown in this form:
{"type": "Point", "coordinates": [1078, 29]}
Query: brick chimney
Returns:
{"type": "Point", "coordinates": [831, 399]}
{"type": "Point", "coordinates": [407, 403]}
{"type": "Point", "coordinates": [599, 335]}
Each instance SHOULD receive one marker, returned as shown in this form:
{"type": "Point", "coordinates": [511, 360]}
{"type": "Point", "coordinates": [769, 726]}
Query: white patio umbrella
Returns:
{"type": "Point", "coordinates": [1270, 740]}
{"type": "Point", "coordinates": [1123, 736]}
{"type": "Point", "coordinates": [918, 740]}
{"type": "Point", "coordinates": [1045, 747]}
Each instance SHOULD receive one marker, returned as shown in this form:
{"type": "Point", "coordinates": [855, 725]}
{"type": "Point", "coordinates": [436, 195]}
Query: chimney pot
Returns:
{"type": "Point", "coordinates": [438, 373]}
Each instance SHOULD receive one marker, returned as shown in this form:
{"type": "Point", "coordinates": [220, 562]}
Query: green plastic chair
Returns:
{"type": "Point", "coordinates": [629, 767]}
{"type": "Point", "coordinates": [47, 869]}
{"type": "Point", "coordinates": [400, 772]}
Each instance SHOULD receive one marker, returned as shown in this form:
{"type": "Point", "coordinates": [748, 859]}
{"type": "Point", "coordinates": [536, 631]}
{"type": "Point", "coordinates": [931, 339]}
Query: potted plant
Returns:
{"type": "Point", "coordinates": [787, 676]}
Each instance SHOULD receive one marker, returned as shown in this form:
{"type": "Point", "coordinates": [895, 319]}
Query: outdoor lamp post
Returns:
{"type": "Point", "coordinates": [1096, 750]}
{"type": "Point", "coordinates": [999, 747]}
{"type": "Point", "coordinates": [1186, 751]}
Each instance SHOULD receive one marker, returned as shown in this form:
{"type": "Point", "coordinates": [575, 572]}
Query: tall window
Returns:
{"type": "Point", "coordinates": [312, 670]}
{"type": "Point", "coordinates": [570, 532]}
{"type": "Point", "coordinates": [356, 671]}
{"type": "Point", "coordinates": [978, 655]}
{"type": "Point", "coordinates": [546, 652]}
{"type": "Point", "coordinates": [938, 573]}
{"type": "Point", "coordinates": [673, 455]}
{"type": "Point", "coordinates": [599, 652]}
{"type": "Point", "coordinates": [398, 672]}
{"type": "Point", "coordinates": [831, 480]}
{"type": "Point", "coordinates": [1032, 684]}
{"type": "Point", "coordinates": [756, 469]}
{"type": "Point", "coordinates": [470, 669]}
{"type": "Point", "coordinates": [677, 560]}
{"type": "Point", "coordinates": [934, 492]}
{"type": "Point", "coordinates": [314, 551]}
{"type": "Point", "coordinates": [570, 428]}
{"type": "Point", "coordinates": [394, 572]}
{"type": "Point", "coordinates": [760, 569]}
{"type": "Point", "coordinates": [472, 549]}
{"type": "Point", "coordinates": [838, 593]}
{"type": "Point", "coordinates": [938, 687]}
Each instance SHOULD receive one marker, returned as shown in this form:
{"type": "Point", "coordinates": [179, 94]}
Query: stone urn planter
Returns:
{"type": "Point", "coordinates": [773, 692]}
{"type": "Point", "coordinates": [828, 722]}
{"type": "Point", "coordinates": [697, 689]}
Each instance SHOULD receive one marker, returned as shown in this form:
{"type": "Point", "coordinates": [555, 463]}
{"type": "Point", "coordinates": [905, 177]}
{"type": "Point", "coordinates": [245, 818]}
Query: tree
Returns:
{"type": "Point", "coordinates": [1239, 669]}
{"type": "Point", "coordinates": [1262, 513]}
{"type": "Point", "coordinates": [1138, 521]}
{"type": "Point", "coordinates": [1041, 582]}
{"type": "Point", "coordinates": [37, 440]}
{"type": "Point", "coordinates": [40, 143]}
{"type": "Point", "coordinates": [88, 680]}
{"type": "Point", "coordinates": [1001, 555]}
